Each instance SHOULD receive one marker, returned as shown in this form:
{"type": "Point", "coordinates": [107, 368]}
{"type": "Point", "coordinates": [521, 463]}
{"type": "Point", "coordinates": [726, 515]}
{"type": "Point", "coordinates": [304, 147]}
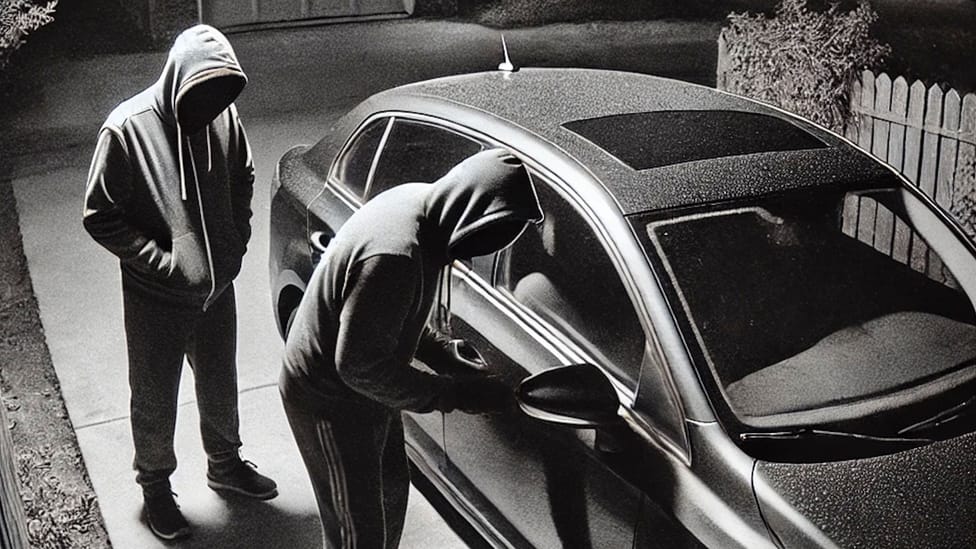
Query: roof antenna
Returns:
{"type": "Point", "coordinates": [506, 65]}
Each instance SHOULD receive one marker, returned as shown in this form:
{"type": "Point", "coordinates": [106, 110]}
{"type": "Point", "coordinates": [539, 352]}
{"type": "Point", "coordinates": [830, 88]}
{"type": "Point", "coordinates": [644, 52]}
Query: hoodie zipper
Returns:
{"type": "Point", "coordinates": [203, 224]}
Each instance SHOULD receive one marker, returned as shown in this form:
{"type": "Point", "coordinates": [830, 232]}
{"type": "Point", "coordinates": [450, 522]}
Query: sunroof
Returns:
{"type": "Point", "coordinates": [651, 139]}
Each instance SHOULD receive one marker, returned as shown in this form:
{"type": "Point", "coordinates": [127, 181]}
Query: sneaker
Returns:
{"type": "Point", "coordinates": [241, 477]}
{"type": "Point", "coordinates": [164, 516]}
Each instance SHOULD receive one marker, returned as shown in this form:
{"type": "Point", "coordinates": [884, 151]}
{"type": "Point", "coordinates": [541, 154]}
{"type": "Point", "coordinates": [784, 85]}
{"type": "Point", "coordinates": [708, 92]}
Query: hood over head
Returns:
{"type": "Point", "coordinates": [201, 78]}
{"type": "Point", "coordinates": [482, 205]}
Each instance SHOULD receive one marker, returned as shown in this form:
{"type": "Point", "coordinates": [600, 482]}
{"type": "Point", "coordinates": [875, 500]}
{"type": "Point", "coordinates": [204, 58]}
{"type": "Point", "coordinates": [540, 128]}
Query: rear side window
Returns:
{"type": "Point", "coordinates": [418, 152]}
{"type": "Point", "coordinates": [352, 169]}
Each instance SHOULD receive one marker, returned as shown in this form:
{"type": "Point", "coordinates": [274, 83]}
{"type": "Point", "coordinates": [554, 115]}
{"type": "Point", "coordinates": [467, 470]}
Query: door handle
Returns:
{"type": "Point", "coordinates": [318, 242]}
{"type": "Point", "coordinates": [467, 354]}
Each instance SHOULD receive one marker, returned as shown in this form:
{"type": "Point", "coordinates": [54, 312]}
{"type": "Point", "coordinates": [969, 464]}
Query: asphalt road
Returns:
{"type": "Point", "coordinates": [301, 80]}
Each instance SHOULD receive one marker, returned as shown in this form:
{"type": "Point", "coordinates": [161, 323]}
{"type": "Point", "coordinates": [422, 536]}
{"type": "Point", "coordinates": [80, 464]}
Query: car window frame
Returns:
{"type": "Point", "coordinates": [628, 395]}
{"type": "Point", "coordinates": [502, 260]}
{"type": "Point", "coordinates": [333, 181]}
{"type": "Point", "coordinates": [382, 146]}
{"type": "Point", "coordinates": [391, 119]}
{"type": "Point", "coordinates": [939, 230]}
{"type": "Point", "coordinates": [346, 151]}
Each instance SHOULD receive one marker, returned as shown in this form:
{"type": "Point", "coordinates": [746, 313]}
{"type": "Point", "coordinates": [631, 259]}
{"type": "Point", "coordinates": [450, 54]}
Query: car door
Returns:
{"type": "Point", "coordinates": [386, 151]}
{"type": "Point", "coordinates": [545, 303]}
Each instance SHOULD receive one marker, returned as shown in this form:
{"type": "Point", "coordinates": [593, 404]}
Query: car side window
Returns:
{"type": "Point", "coordinates": [560, 271]}
{"type": "Point", "coordinates": [353, 167]}
{"type": "Point", "coordinates": [418, 152]}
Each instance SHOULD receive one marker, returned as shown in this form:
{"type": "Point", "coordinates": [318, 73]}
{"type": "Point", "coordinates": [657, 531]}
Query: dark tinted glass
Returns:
{"type": "Point", "coordinates": [418, 152]}
{"type": "Point", "coordinates": [353, 167]}
{"type": "Point", "coordinates": [561, 272]}
{"type": "Point", "coordinates": [816, 302]}
{"type": "Point", "coordinates": [650, 139]}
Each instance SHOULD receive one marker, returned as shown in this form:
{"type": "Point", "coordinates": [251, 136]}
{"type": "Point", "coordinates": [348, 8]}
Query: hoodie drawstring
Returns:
{"type": "Point", "coordinates": [179, 141]}
{"type": "Point", "coordinates": [206, 236]}
{"type": "Point", "coordinates": [450, 272]}
{"type": "Point", "coordinates": [209, 151]}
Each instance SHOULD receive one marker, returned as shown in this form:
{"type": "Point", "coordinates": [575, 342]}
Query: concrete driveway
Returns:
{"type": "Point", "coordinates": [78, 290]}
{"type": "Point", "coordinates": [301, 80]}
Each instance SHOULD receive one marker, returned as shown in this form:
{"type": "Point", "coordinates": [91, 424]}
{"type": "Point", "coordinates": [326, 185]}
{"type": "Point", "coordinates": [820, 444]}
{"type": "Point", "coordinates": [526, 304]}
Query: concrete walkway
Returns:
{"type": "Point", "coordinates": [301, 80]}
{"type": "Point", "coordinates": [78, 290]}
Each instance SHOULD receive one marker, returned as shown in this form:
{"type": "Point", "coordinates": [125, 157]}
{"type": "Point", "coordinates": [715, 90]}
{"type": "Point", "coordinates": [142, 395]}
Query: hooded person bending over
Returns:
{"type": "Point", "coordinates": [347, 366]}
{"type": "Point", "coordinates": [169, 194]}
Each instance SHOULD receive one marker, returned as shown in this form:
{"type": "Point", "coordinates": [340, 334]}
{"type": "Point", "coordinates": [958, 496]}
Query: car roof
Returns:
{"type": "Point", "coordinates": [743, 148]}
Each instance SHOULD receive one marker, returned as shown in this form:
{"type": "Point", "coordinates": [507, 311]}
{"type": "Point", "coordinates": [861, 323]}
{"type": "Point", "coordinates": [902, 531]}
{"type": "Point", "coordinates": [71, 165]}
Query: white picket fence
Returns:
{"type": "Point", "coordinates": [13, 521]}
{"type": "Point", "coordinates": [926, 133]}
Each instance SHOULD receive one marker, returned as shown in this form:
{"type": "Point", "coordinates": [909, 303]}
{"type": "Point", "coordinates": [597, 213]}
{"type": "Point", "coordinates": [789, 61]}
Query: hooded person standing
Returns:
{"type": "Point", "coordinates": [169, 194]}
{"type": "Point", "coordinates": [347, 367]}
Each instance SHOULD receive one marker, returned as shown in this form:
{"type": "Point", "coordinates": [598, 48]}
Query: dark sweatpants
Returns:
{"type": "Point", "coordinates": [358, 467]}
{"type": "Point", "coordinates": [158, 336]}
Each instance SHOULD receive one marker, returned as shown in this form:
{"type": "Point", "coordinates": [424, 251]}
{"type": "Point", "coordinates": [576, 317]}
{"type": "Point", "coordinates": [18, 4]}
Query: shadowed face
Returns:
{"type": "Point", "coordinates": [200, 104]}
{"type": "Point", "coordinates": [488, 240]}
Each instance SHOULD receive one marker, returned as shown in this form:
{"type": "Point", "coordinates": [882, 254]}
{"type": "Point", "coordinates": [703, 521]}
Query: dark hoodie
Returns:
{"type": "Point", "coordinates": [170, 184]}
{"type": "Point", "coordinates": [368, 301]}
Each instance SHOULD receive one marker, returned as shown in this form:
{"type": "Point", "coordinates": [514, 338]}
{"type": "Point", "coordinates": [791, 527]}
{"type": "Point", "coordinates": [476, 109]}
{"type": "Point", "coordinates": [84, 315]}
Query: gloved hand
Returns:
{"type": "Point", "coordinates": [449, 356]}
{"type": "Point", "coordinates": [482, 395]}
{"type": "Point", "coordinates": [465, 356]}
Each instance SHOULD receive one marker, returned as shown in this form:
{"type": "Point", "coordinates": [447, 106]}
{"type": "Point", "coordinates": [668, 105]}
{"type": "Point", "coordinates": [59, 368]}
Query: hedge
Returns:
{"type": "Point", "coordinates": [801, 59]}
{"type": "Point", "coordinates": [19, 18]}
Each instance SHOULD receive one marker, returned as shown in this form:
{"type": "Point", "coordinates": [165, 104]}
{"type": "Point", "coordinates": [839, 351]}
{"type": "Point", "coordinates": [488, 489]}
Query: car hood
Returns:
{"type": "Point", "coordinates": [924, 497]}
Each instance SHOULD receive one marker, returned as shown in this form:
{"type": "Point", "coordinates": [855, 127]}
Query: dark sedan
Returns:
{"type": "Point", "coordinates": [732, 329]}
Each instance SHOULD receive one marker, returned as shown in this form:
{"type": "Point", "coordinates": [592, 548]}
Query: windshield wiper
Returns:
{"type": "Point", "coordinates": [809, 445]}
{"type": "Point", "coordinates": [945, 416]}
{"type": "Point", "coordinates": [805, 433]}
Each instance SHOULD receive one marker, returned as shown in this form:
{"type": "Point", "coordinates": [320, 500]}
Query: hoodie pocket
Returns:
{"type": "Point", "coordinates": [191, 267]}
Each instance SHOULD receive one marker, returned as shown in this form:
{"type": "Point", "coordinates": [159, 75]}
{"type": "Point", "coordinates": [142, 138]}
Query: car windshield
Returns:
{"type": "Point", "coordinates": [820, 308]}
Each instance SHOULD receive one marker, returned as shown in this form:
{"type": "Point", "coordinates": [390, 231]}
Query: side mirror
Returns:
{"type": "Point", "coordinates": [578, 395]}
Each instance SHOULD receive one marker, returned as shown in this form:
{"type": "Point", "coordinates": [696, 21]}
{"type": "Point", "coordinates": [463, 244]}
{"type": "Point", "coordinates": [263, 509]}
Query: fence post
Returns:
{"type": "Point", "coordinates": [13, 520]}
{"type": "Point", "coordinates": [865, 138]}
{"type": "Point", "coordinates": [948, 147]}
{"type": "Point", "coordinates": [902, 239]}
{"type": "Point", "coordinates": [930, 158]}
{"type": "Point", "coordinates": [851, 204]}
{"type": "Point", "coordinates": [722, 65]}
{"type": "Point", "coordinates": [853, 123]}
{"type": "Point", "coordinates": [884, 223]}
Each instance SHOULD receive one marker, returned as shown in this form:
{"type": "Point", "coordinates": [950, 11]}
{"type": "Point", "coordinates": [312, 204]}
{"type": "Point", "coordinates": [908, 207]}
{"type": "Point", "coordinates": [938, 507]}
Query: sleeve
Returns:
{"type": "Point", "coordinates": [434, 349]}
{"type": "Point", "coordinates": [107, 192]}
{"type": "Point", "coordinates": [242, 188]}
{"type": "Point", "coordinates": [371, 323]}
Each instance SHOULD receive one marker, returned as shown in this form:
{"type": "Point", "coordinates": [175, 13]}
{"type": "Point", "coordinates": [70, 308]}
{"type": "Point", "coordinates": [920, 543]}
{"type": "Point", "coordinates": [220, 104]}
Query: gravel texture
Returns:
{"type": "Point", "coordinates": [59, 501]}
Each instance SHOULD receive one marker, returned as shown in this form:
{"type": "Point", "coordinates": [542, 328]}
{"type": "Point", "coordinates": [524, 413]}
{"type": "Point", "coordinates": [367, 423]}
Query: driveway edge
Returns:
{"type": "Point", "coordinates": [59, 501]}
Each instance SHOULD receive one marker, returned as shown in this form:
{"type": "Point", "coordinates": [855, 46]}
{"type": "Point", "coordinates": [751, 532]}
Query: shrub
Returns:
{"type": "Point", "coordinates": [19, 18]}
{"type": "Point", "coordinates": [522, 13]}
{"type": "Point", "coordinates": [964, 193]}
{"type": "Point", "coordinates": [801, 59]}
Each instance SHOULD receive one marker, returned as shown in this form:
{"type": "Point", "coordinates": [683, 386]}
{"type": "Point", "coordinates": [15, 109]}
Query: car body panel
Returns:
{"type": "Point", "coordinates": [522, 465]}
{"type": "Point", "coordinates": [497, 472]}
{"type": "Point", "coordinates": [922, 497]}
{"type": "Point", "coordinates": [541, 100]}
{"type": "Point", "coordinates": [289, 257]}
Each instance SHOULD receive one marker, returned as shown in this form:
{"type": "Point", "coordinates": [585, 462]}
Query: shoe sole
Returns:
{"type": "Point", "coordinates": [221, 487]}
{"type": "Point", "coordinates": [179, 534]}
